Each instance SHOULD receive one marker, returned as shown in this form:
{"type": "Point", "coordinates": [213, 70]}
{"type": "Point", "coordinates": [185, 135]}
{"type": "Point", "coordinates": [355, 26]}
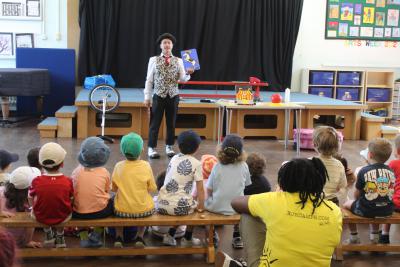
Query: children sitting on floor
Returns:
{"type": "Point", "coordinates": [52, 194]}
{"type": "Point", "coordinates": [175, 196]}
{"type": "Point", "coordinates": [395, 166]}
{"type": "Point", "coordinates": [14, 198]}
{"type": "Point", "coordinates": [302, 229]}
{"type": "Point", "coordinates": [6, 158]}
{"type": "Point", "coordinates": [326, 143]}
{"type": "Point", "coordinates": [132, 182]}
{"type": "Point", "coordinates": [227, 180]}
{"type": "Point", "coordinates": [259, 183]}
{"type": "Point", "coordinates": [374, 189]}
{"type": "Point", "coordinates": [92, 186]}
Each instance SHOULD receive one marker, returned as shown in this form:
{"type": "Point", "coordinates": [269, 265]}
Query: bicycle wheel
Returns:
{"type": "Point", "coordinates": [101, 93]}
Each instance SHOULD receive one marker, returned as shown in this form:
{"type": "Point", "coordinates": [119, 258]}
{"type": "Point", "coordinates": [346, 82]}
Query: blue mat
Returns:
{"type": "Point", "coordinates": [61, 66]}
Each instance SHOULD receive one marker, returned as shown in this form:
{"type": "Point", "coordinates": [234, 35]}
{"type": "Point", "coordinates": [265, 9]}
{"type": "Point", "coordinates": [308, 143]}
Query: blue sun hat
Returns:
{"type": "Point", "coordinates": [94, 153]}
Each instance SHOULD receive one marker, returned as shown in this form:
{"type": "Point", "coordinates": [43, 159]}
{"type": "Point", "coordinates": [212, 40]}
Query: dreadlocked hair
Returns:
{"type": "Point", "coordinates": [16, 198]}
{"type": "Point", "coordinates": [305, 176]}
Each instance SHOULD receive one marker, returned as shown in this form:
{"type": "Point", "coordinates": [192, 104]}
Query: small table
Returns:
{"type": "Point", "coordinates": [22, 82]}
{"type": "Point", "coordinates": [229, 106]}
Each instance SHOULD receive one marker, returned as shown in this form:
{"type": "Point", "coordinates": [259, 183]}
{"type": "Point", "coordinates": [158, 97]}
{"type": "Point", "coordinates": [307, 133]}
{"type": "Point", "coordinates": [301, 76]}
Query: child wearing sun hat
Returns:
{"type": "Point", "coordinates": [52, 194]}
{"type": "Point", "coordinates": [14, 199]}
{"type": "Point", "coordinates": [92, 186]}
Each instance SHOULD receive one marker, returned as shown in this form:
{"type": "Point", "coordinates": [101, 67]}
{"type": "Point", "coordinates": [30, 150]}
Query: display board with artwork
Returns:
{"type": "Point", "coordinates": [21, 9]}
{"type": "Point", "coordinates": [363, 19]}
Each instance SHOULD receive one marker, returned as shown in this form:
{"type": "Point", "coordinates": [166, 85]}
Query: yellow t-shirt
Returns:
{"type": "Point", "coordinates": [295, 237]}
{"type": "Point", "coordinates": [134, 181]}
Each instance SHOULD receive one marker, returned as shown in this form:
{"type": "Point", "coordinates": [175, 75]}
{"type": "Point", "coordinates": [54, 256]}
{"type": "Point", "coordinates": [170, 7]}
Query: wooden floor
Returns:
{"type": "Point", "coordinates": [20, 139]}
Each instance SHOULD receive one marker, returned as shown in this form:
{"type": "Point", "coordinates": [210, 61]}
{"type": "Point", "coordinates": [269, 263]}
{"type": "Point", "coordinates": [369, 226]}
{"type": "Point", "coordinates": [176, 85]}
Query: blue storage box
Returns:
{"type": "Point", "coordinates": [348, 78]}
{"type": "Point", "coordinates": [378, 94]}
{"type": "Point", "coordinates": [93, 81]}
{"type": "Point", "coordinates": [321, 77]}
{"type": "Point", "coordinates": [321, 91]}
{"type": "Point", "coordinates": [348, 94]}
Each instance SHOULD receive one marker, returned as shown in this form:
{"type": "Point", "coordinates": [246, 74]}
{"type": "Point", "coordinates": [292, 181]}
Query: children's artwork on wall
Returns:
{"type": "Point", "coordinates": [376, 20]}
{"type": "Point", "coordinates": [21, 9]}
{"type": "Point", "coordinates": [396, 32]}
{"type": "Point", "coordinates": [380, 3]}
{"type": "Point", "coordinates": [358, 9]}
{"type": "Point", "coordinates": [378, 32]}
{"type": "Point", "coordinates": [380, 19]}
{"type": "Point", "coordinates": [333, 11]}
{"type": "Point", "coordinates": [354, 31]}
{"type": "Point", "coordinates": [393, 2]}
{"type": "Point", "coordinates": [368, 16]}
{"type": "Point", "coordinates": [333, 25]}
{"type": "Point", "coordinates": [357, 20]}
{"type": "Point", "coordinates": [6, 44]}
{"type": "Point", "coordinates": [366, 31]}
{"type": "Point", "coordinates": [393, 17]}
{"type": "Point", "coordinates": [343, 27]}
{"type": "Point", "coordinates": [33, 8]}
{"type": "Point", "coordinates": [388, 32]}
{"type": "Point", "coordinates": [346, 11]}
{"type": "Point", "coordinates": [24, 40]}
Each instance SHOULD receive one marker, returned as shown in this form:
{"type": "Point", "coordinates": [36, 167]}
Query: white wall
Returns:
{"type": "Point", "coordinates": [313, 50]}
{"type": "Point", "coordinates": [51, 32]}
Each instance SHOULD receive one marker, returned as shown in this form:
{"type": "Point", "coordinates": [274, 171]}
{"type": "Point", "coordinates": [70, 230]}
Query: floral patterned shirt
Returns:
{"type": "Point", "coordinates": [175, 196]}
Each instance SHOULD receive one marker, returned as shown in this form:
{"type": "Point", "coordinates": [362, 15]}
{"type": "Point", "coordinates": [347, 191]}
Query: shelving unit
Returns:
{"type": "Point", "coordinates": [396, 101]}
{"type": "Point", "coordinates": [371, 87]}
{"type": "Point", "coordinates": [379, 86]}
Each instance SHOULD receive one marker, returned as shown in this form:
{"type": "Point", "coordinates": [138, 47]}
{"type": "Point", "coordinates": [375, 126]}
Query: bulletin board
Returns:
{"type": "Point", "coordinates": [21, 9]}
{"type": "Point", "coordinates": [376, 20]}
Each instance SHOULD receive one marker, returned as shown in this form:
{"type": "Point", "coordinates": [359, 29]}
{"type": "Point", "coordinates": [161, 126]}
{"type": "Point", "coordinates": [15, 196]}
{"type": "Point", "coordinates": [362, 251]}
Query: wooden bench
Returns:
{"type": "Point", "coordinates": [66, 116]}
{"type": "Point", "coordinates": [48, 127]}
{"type": "Point", "coordinates": [349, 217]}
{"type": "Point", "coordinates": [370, 126]}
{"type": "Point", "coordinates": [389, 132]}
{"type": "Point", "coordinates": [197, 219]}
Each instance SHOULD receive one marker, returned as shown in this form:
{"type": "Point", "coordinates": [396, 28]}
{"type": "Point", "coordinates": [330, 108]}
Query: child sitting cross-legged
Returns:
{"type": "Point", "coordinates": [291, 227]}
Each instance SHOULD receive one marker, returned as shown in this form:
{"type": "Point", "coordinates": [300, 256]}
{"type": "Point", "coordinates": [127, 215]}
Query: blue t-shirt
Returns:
{"type": "Point", "coordinates": [226, 182]}
{"type": "Point", "coordinates": [376, 184]}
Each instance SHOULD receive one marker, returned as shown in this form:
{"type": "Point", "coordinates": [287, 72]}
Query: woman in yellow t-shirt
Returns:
{"type": "Point", "coordinates": [303, 228]}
